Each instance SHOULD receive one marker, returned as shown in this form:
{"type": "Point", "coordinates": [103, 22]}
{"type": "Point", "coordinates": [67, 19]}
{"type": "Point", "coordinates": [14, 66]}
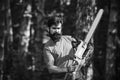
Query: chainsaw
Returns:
{"type": "Point", "coordinates": [81, 48]}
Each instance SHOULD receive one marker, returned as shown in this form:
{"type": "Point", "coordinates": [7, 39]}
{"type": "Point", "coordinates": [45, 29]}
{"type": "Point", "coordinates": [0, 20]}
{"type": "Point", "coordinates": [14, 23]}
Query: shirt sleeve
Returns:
{"type": "Point", "coordinates": [48, 58]}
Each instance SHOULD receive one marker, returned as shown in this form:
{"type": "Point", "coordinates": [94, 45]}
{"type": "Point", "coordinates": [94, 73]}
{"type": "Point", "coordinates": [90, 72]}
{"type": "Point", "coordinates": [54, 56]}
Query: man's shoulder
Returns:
{"type": "Point", "coordinates": [48, 43]}
{"type": "Point", "coordinates": [68, 37]}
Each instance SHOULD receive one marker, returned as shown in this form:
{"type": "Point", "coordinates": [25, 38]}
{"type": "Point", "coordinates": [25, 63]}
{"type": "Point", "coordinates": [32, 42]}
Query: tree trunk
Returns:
{"type": "Point", "coordinates": [111, 42]}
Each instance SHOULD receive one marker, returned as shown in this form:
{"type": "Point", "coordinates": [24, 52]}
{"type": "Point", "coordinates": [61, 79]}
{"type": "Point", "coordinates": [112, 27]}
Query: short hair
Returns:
{"type": "Point", "coordinates": [54, 20]}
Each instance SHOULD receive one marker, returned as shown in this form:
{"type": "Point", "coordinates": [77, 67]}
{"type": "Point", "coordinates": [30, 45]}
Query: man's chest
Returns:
{"type": "Point", "coordinates": [62, 49]}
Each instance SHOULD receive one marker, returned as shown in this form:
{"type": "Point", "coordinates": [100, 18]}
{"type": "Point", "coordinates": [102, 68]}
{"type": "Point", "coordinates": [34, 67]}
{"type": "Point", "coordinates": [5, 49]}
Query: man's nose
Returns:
{"type": "Point", "coordinates": [57, 30]}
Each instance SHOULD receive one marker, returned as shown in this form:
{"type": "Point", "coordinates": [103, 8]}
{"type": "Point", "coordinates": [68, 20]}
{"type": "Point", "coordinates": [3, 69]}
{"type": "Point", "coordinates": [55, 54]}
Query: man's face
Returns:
{"type": "Point", "coordinates": [55, 29]}
{"type": "Point", "coordinates": [55, 32]}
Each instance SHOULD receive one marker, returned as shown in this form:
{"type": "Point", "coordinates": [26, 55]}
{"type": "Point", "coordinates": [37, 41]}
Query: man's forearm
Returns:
{"type": "Point", "coordinates": [55, 69]}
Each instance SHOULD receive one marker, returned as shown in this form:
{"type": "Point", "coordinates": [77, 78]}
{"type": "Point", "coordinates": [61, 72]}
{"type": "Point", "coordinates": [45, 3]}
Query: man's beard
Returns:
{"type": "Point", "coordinates": [55, 37]}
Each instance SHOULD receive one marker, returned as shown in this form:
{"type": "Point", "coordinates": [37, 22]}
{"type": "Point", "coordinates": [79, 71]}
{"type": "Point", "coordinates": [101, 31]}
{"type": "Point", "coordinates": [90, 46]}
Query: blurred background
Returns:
{"type": "Point", "coordinates": [23, 33]}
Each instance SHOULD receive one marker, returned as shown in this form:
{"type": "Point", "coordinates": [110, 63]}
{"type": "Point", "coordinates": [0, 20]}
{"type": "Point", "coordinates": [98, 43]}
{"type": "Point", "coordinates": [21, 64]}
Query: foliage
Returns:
{"type": "Point", "coordinates": [86, 11]}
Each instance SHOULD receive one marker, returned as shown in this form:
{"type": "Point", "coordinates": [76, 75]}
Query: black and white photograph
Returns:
{"type": "Point", "coordinates": [59, 39]}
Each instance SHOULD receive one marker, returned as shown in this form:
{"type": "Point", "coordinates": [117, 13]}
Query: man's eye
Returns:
{"type": "Point", "coordinates": [54, 28]}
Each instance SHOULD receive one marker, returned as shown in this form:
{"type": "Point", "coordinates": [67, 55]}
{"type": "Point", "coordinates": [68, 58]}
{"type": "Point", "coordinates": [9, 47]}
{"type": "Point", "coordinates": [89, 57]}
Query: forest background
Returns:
{"type": "Point", "coordinates": [23, 32]}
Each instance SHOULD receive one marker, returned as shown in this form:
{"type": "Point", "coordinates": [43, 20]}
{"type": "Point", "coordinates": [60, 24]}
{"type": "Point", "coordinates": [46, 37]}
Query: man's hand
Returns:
{"type": "Point", "coordinates": [71, 69]}
{"type": "Point", "coordinates": [71, 56]}
{"type": "Point", "coordinates": [90, 47]}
